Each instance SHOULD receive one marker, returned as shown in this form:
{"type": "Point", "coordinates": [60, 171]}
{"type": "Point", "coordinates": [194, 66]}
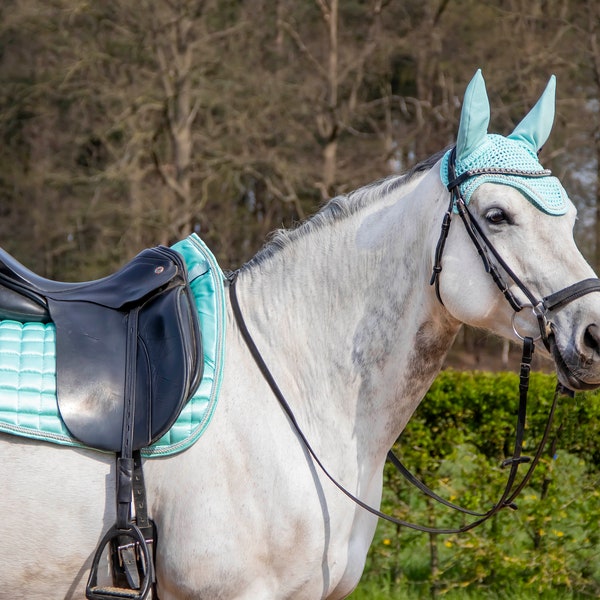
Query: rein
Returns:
{"type": "Point", "coordinates": [540, 308]}
{"type": "Point", "coordinates": [508, 496]}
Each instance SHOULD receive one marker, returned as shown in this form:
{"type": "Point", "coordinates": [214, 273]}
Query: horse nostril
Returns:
{"type": "Point", "coordinates": [591, 338]}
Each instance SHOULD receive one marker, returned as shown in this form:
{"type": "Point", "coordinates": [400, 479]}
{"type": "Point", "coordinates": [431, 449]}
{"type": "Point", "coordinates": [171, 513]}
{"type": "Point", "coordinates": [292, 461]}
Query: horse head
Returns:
{"type": "Point", "coordinates": [518, 226]}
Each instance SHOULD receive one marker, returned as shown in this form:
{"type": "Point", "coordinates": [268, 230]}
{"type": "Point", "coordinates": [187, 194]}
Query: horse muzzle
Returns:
{"type": "Point", "coordinates": [578, 359]}
{"type": "Point", "coordinates": [576, 354]}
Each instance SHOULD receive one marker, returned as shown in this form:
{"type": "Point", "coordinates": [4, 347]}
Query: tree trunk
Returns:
{"type": "Point", "coordinates": [594, 15]}
{"type": "Point", "coordinates": [329, 126]}
{"type": "Point", "coordinates": [174, 53]}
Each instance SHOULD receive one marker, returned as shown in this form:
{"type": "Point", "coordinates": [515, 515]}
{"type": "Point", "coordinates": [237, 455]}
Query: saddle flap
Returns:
{"type": "Point", "coordinates": [91, 354]}
{"type": "Point", "coordinates": [92, 378]}
{"type": "Point", "coordinates": [130, 340]}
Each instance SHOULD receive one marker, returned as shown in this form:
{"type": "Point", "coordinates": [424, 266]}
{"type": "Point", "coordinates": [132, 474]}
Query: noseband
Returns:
{"type": "Point", "coordinates": [539, 306]}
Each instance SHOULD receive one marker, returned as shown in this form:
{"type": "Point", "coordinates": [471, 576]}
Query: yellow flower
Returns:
{"type": "Point", "coordinates": [387, 542]}
{"type": "Point", "coordinates": [448, 544]}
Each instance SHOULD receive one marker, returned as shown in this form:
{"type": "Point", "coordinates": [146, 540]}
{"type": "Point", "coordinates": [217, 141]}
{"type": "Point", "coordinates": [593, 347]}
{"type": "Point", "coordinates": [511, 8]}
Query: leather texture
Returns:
{"type": "Point", "coordinates": [28, 405]}
{"type": "Point", "coordinates": [92, 321]}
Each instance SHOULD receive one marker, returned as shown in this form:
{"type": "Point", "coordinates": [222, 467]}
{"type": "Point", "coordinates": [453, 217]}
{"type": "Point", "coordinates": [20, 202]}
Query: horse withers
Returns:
{"type": "Point", "coordinates": [353, 327]}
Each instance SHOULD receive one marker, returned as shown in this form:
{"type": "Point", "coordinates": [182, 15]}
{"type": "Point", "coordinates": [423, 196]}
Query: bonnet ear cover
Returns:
{"type": "Point", "coordinates": [516, 154]}
{"type": "Point", "coordinates": [535, 128]}
{"type": "Point", "coordinates": [474, 117]}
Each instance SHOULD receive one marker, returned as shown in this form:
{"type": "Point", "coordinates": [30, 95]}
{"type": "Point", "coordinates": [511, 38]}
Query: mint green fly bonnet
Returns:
{"type": "Point", "coordinates": [478, 151]}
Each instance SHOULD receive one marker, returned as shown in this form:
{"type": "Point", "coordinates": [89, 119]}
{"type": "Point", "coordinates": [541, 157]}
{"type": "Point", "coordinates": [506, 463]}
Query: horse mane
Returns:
{"type": "Point", "coordinates": [340, 207]}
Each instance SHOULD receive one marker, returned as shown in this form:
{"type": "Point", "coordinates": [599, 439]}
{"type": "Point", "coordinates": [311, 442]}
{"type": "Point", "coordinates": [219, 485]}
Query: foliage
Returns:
{"type": "Point", "coordinates": [125, 125]}
{"type": "Point", "coordinates": [456, 440]}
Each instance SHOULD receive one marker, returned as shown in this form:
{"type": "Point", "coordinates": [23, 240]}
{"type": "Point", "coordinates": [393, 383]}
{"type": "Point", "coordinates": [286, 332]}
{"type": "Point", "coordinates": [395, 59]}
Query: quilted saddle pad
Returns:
{"type": "Point", "coordinates": [28, 405]}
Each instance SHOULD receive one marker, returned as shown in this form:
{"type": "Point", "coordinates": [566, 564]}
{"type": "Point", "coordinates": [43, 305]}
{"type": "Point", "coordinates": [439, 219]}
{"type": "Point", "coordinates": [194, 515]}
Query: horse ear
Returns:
{"type": "Point", "coordinates": [535, 128]}
{"type": "Point", "coordinates": [474, 117]}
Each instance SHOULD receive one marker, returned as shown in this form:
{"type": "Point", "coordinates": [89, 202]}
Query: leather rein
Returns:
{"type": "Point", "coordinates": [540, 308]}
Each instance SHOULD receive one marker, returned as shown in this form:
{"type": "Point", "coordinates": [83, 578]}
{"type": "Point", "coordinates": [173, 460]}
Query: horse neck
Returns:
{"type": "Point", "coordinates": [347, 322]}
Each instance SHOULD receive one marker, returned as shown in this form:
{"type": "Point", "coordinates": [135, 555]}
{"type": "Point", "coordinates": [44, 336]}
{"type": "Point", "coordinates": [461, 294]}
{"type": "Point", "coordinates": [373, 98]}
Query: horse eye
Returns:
{"type": "Point", "coordinates": [496, 216]}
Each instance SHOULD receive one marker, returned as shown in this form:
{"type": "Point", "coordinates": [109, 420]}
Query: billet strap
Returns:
{"type": "Point", "coordinates": [125, 463]}
{"type": "Point", "coordinates": [507, 497]}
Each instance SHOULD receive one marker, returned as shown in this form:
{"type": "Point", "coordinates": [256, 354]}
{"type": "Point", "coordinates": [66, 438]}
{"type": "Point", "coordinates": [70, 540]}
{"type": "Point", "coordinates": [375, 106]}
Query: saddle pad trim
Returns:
{"type": "Point", "coordinates": [210, 303]}
{"type": "Point", "coordinates": [28, 366]}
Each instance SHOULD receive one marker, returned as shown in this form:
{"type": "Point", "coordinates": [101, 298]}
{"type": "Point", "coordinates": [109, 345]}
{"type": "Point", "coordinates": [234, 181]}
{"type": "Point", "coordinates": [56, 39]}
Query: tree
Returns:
{"type": "Point", "coordinates": [124, 126]}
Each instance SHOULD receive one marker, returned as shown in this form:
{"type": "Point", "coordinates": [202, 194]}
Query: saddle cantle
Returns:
{"type": "Point", "coordinates": [133, 332]}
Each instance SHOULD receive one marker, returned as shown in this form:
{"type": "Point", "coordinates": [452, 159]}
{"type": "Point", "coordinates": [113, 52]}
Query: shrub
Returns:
{"type": "Point", "coordinates": [455, 442]}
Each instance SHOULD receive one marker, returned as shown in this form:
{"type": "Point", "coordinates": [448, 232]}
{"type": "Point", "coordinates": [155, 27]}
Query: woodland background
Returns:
{"type": "Point", "coordinates": [124, 123]}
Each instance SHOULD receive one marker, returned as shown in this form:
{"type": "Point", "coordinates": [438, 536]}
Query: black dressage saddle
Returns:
{"type": "Point", "coordinates": [127, 342]}
{"type": "Point", "coordinates": [128, 357]}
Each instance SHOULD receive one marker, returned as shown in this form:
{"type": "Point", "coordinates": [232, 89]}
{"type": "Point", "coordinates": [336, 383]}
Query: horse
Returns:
{"type": "Point", "coordinates": [353, 312]}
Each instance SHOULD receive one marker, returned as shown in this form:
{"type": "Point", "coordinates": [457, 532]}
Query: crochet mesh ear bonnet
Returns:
{"type": "Point", "coordinates": [476, 149]}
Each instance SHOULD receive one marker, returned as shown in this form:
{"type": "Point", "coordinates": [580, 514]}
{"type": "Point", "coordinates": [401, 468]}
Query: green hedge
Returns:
{"type": "Point", "coordinates": [455, 442]}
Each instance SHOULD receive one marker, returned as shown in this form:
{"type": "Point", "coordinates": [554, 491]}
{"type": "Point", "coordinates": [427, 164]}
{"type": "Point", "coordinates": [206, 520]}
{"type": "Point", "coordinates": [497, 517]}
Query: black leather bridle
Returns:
{"type": "Point", "coordinates": [540, 307]}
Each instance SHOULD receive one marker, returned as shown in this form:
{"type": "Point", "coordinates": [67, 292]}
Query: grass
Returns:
{"type": "Point", "coordinates": [374, 591]}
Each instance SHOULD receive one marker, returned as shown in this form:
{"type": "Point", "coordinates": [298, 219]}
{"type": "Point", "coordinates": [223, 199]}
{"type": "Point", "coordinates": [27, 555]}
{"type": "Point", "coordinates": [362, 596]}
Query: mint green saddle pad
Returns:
{"type": "Point", "coordinates": [28, 405]}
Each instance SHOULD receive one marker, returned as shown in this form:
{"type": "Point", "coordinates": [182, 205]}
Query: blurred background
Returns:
{"type": "Point", "coordinates": [126, 124]}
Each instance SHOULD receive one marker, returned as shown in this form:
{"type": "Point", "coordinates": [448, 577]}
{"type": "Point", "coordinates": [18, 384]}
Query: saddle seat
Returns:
{"type": "Point", "coordinates": [23, 292]}
{"type": "Point", "coordinates": [131, 335]}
